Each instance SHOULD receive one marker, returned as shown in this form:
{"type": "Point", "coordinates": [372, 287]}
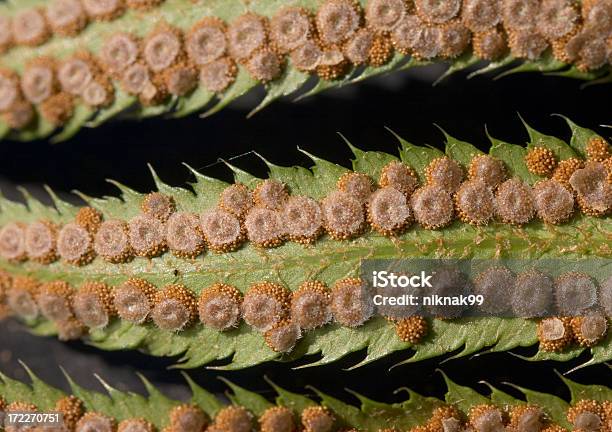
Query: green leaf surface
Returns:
{"type": "Point", "coordinates": [371, 162]}
{"type": "Point", "coordinates": [251, 401]}
{"type": "Point", "coordinates": [352, 411]}
{"type": "Point", "coordinates": [418, 157]}
{"type": "Point", "coordinates": [580, 391]}
{"type": "Point", "coordinates": [546, 64]}
{"type": "Point", "coordinates": [202, 398]}
{"type": "Point", "coordinates": [193, 103]}
{"type": "Point", "coordinates": [461, 151]}
{"type": "Point", "coordinates": [580, 137]}
{"type": "Point", "coordinates": [514, 158]}
{"type": "Point", "coordinates": [558, 146]}
{"type": "Point", "coordinates": [462, 397]}
{"type": "Point", "coordinates": [326, 260]}
{"type": "Point", "coordinates": [79, 119]}
{"type": "Point", "coordinates": [294, 401]}
{"type": "Point", "coordinates": [501, 398]}
{"type": "Point", "coordinates": [556, 407]}
{"type": "Point", "coordinates": [184, 14]}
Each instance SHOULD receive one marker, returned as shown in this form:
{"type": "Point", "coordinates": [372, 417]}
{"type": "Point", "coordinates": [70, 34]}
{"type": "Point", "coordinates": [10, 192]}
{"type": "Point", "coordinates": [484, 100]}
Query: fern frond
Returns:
{"type": "Point", "coordinates": [178, 57]}
{"type": "Point", "coordinates": [180, 273]}
{"type": "Point", "coordinates": [463, 405]}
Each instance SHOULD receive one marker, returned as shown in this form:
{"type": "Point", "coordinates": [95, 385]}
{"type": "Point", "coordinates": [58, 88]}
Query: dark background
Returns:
{"type": "Point", "coordinates": [405, 102]}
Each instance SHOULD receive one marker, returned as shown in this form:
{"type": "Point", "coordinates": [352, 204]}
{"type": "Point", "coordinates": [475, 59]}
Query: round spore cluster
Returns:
{"type": "Point", "coordinates": [134, 300]}
{"type": "Point", "coordinates": [267, 215]}
{"type": "Point", "coordinates": [575, 293]}
{"type": "Point", "coordinates": [265, 305]}
{"type": "Point", "coordinates": [444, 173]}
{"type": "Point", "coordinates": [448, 282]}
{"type": "Point", "coordinates": [219, 306]}
{"type": "Point", "coordinates": [343, 215]}
{"type": "Point", "coordinates": [311, 305]}
{"type": "Point", "coordinates": [432, 207]}
{"type": "Point", "coordinates": [514, 202]}
{"type": "Point", "coordinates": [487, 169]}
{"type": "Point", "coordinates": [475, 202]}
{"type": "Point", "coordinates": [358, 185]}
{"type": "Point", "coordinates": [555, 334]}
{"type": "Point", "coordinates": [593, 189]}
{"type": "Point", "coordinates": [93, 304]}
{"type": "Point", "coordinates": [541, 161]}
{"type": "Point", "coordinates": [351, 303]}
{"type": "Point", "coordinates": [388, 211]}
{"type": "Point", "coordinates": [533, 294]}
{"type": "Point", "coordinates": [496, 285]}
{"type": "Point", "coordinates": [553, 202]}
{"type": "Point", "coordinates": [399, 176]}
{"type": "Point", "coordinates": [175, 308]}
{"type": "Point", "coordinates": [283, 336]}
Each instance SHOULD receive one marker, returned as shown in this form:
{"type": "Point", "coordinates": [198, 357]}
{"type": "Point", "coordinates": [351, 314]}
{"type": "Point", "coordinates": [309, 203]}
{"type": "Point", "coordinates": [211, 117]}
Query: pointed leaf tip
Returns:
{"type": "Point", "coordinates": [250, 400]}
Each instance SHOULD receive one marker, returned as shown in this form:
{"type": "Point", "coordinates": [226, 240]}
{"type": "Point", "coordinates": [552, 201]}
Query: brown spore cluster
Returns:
{"type": "Point", "coordinates": [277, 419]}
{"type": "Point", "coordinates": [188, 418]}
{"type": "Point", "coordinates": [311, 305]}
{"type": "Point", "coordinates": [399, 176]}
{"type": "Point", "coordinates": [55, 300]}
{"type": "Point", "coordinates": [21, 297]}
{"type": "Point", "coordinates": [75, 244]}
{"type": "Point", "coordinates": [303, 219]}
{"type": "Point", "coordinates": [41, 242]}
{"type": "Point", "coordinates": [388, 211]}
{"type": "Point", "coordinates": [184, 235]}
{"type": "Point", "coordinates": [587, 415]}
{"type": "Point", "coordinates": [265, 305]}
{"type": "Point", "coordinates": [175, 308]}
{"type": "Point", "coordinates": [444, 173]}
{"type": "Point", "coordinates": [412, 329]}
{"type": "Point", "coordinates": [134, 299]}
{"type": "Point", "coordinates": [485, 418]}
{"type": "Point", "coordinates": [317, 419]}
{"type": "Point", "coordinates": [475, 202]}
{"type": "Point", "coordinates": [222, 230]}
{"type": "Point", "coordinates": [565, 169]}
{"type": "Point", "coordinates": [528, 418]}
{"type": "Point", "coordinates": [589, 329]}
{"type": "Point", "coordinates": [147, 236]}
{"type": "Point", "coordinates": [554, 203]}
{"type": "Point", "coordinates": [343, 215]}
{"type": "Point", "coordinates": [93, 304]}
{"type": "Point", "coordinates": [350, 303]}
{"type": "Point", "coordinates": [112, 242]}
{"type": "Point", "coordinates": [488, 169]}
{"type": "Point", "coordinates": [555, 334]}
{"type": "Point", "coordinates": [219, 306]}
{"type": "Point", "coordinates": [514, 202]}
{"type": "Point", "coordinates": [264, 227]}
{"type": "Point", "coordinates": [541, 161]}
{"type": "Point", "coordinates": [96, 421]}
{"type": "Point", "coordinates": [283, 336]}
{"type": "Point", "coordinates": [433, 207]}
{"type": "Point", "coordinates": [232, 418]}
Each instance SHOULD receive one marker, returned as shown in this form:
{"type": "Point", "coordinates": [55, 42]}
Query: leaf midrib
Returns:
{"type": "Point", "coordinates": [457, 241]}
